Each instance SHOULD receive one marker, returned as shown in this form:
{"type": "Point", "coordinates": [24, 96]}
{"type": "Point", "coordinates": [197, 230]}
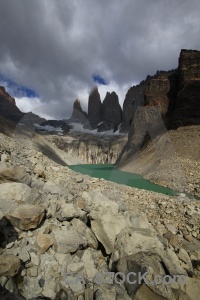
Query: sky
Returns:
{"type": "Point", "coordinates": [53, 52]}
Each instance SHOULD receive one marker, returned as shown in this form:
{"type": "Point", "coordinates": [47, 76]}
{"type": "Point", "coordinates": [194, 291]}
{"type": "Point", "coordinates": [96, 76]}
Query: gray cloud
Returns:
{"type": "Point", "coordinates": [54, 47]}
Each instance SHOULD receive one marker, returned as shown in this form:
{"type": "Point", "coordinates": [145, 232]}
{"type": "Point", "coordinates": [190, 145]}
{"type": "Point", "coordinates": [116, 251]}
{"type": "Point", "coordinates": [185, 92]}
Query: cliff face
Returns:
{"type": "Point", "coordinates": [133, 99]}
{"type": "Point", "coordinates": [89, 149]}
{"type": "Point", "coordinates": [187, 106]}
{"type": "Point", "coordinates": [176, 93]}
{"type": "Point", "coordinates": [10, 112]}
{"type": "Point", "coordinates": [94, 108]}
{"type": "Point", "coordinates": [78, 115]}
{"type": "Point", "coordinates": [111, 113]}
{"type": "Point", "coordinates": [165, 101]}
{"type": "Point", "coordinates": [8, 108]}
{"type": "Point", "coordinates": [159, 90]}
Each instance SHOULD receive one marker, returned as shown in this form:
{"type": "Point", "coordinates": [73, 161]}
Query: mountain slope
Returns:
{"type": "Point", "coordinates": [172, 159]}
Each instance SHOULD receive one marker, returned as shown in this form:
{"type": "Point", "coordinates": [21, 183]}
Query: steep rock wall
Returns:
{"type": "Point", "coordinates": [91, 150]}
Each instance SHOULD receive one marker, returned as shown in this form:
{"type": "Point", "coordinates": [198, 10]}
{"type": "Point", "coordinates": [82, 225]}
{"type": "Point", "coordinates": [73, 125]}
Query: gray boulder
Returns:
{"type": "Point", "coordinates": [26, 217]}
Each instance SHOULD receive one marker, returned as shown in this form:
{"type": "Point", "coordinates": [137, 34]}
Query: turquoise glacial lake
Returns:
{"type": "Point", "coordinates": [108, 172]}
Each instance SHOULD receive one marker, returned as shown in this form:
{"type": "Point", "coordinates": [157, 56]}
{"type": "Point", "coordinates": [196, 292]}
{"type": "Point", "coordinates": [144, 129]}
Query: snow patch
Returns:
{"type": "Point", "coordinates": [78, 127]}
{"type": "Point", "coordinates": [49, 128]}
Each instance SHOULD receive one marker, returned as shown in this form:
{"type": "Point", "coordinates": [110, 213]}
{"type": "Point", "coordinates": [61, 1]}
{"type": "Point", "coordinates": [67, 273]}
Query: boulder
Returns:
{"type": "Point", "coordinates": [133, 240]}
{"type": "Point", "coordinates": [3, 166]}
{"type": "Point", "coordinates": [39, 170]}
{"type": "Point", "coordinates": [141, 269]}
{"type": "Point", "coordinates": [16, 174]}
{"type": "Point", "coordinates": [9, 265]}
{"type": "Point", "coordinates": [15, 191]}
{"type": "Point", "coordinates": [106, 226]}
{"type": "Point", "coordinates": [26, 217]}
{"type": "Point", "coordinates": [75, 267]}
{"type": "Point", "coordinates": [146, 293]}
{"type": "Point", "coordinates": [80, 227]}
{"type": "Point", "coordinates": [44, 241]}
{"type": "Point", "coordinates": [68, 241]}
{"type": "Point", "coordinates": [4, 158]}
{"type": "Point", "coordinates": [6, 205]}
{"type": "Point", "coordinates": [96, 201]}
{"type": "Point", "coordinates": [90, 259]}
{"type": "Point", "coordinates": [184, 257]}
{"type": "Point", "coordinates": [191, 288]}
{"type": "Point", "coordinates": [138, 220]}
{"type": "Point", "coordinates": [69, 211]}
{"type": "Point", "coordinates": [52, 188]}
{"type": "Point", "coordinates": [104, 292]}
{"type": "Point", "coordinates": [171, 262]}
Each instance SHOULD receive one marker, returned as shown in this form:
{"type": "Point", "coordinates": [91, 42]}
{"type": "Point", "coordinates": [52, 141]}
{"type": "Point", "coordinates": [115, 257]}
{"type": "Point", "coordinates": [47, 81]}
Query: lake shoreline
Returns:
{"type": "Point", "coordinates": [108, 172]}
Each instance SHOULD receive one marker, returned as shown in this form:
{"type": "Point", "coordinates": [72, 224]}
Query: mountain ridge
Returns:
{"type": "Point", "coordinates": [174, 93]}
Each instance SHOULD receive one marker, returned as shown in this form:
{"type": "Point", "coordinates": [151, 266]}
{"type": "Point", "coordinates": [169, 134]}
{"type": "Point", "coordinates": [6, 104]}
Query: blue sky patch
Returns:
{"type": "Point", "coordinates": [17, 90]}
{"type": "Point", "coordinates": [98, 79]}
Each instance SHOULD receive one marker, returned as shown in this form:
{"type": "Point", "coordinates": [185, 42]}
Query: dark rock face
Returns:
{"type": "Point", "coordinates": [8, 108]}
{"type": "Point", "coordinates": [187, 106]}
{"type": "Point", "coordinates": [159, 90]}
{"type": "Point", "coordinates": [133, 99]}
{"type": "Point", "coordinates": [77, 105]}
{"type": "Point", "coordinates": [94, 108]}
{"type": "Point", "coordinates": [78, 115]}
{"type": "Point", "coordinates": [168, 100]}
{"type": "Point", "coordinates": [25, 121]}
{"type": "Point", "coordinates": [111, 113]}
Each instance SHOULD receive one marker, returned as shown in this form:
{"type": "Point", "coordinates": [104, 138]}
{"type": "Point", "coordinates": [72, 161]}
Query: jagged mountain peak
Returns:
{"type": "Point", "coordinates": [94, 108]}
{"type": "Point", "coordinates": [77, 105]}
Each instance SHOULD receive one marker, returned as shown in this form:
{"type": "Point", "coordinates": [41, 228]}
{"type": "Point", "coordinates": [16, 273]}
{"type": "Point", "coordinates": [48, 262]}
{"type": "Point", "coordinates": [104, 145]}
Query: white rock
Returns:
{"type": "Point", "coordinates": [68, 241]}
{"type": "Point", "coordinates": [171, 228]}
{"type": "Point", "coordinates": [4, 158]}
{"type": "Point", "coordinates": [107, 226]}
{"type": "Point", "coordinates": [89, 263]}
{"type": "Point", "coordinates": [133, 240]}
{"type": "Point", "coordinates": [96, 200]}
{"type": "Point", "coordinates": [68, 212]}
{"type": "Point", "coordinates": [75, 267]}
{"type": "Point", "coordinates": [52, 188]}
{"type": "Point", "coordinates": [15, 191]}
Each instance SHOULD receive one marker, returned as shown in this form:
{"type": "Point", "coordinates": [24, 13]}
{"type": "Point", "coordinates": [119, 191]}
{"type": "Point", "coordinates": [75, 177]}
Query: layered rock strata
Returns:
{"type": "Point", "coordinates": [90, 149]}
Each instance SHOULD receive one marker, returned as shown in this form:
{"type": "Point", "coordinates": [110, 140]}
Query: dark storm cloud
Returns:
{"type": "Point", "coordinates": [55, 47]}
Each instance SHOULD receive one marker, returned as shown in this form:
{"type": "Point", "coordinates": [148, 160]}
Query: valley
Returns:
{"type": "Point", "coordinates": [109, 191]}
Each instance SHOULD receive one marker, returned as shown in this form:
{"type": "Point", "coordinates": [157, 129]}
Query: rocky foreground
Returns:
{"type": "Point", "coordinates": [56, 223]}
